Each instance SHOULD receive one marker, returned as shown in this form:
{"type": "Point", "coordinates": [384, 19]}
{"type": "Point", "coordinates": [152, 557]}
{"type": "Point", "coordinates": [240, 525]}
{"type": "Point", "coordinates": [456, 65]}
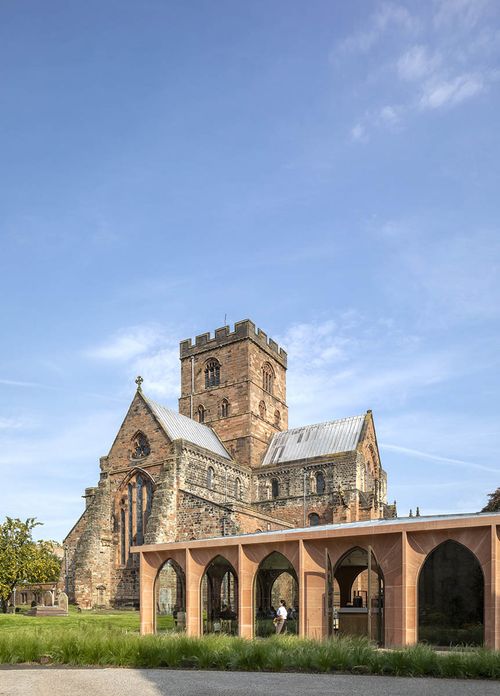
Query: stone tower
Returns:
{"type": "Point", "coordinates": [236, 383]}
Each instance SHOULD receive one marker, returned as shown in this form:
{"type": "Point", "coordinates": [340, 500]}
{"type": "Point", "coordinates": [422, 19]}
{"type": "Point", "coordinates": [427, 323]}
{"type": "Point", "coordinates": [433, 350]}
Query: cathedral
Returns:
{"type": "Point", "coordinates": [225, 464]}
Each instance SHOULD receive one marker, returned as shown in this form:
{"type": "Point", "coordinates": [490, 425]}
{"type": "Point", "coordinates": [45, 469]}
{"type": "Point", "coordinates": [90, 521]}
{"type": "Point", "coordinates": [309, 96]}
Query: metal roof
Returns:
{"type": "Point", "coordinates": [179, 427]}
{"type": "Point", "coordinates": [315, 440]}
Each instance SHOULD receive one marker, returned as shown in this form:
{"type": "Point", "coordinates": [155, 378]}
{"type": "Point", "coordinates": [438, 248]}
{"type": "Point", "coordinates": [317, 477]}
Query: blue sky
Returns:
{"type": "Point", "coordinates": [329, 170]}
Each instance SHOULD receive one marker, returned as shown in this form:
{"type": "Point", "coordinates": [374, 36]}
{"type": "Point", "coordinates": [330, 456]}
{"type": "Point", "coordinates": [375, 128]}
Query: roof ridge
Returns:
{"type": "Point", "coordinates": [316, 425]}
{"type": "Point", "coordinates": [177, 426]}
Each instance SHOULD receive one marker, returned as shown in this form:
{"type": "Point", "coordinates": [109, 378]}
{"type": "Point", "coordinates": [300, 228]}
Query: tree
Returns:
{"type": "Point", "coordinates": [23, 560]}
{"type": "Point", "coordinates": [493, 503]}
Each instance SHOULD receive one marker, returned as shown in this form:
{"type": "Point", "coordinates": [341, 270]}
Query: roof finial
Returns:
{"type": "Point", "coordinates": [139, 382]}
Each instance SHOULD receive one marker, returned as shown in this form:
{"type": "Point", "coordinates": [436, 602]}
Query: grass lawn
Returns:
{"type": "Point", "coordinates": [112, 638]}
{"type": "Point", "coordinates": [118, 620]}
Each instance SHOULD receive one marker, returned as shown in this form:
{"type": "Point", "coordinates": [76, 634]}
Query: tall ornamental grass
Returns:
{"type": "Point", "coordinates": [106, 645]}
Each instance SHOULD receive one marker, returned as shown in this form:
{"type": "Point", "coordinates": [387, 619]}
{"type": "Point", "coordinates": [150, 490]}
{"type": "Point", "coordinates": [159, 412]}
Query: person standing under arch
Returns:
{"type": "Point", "coordinates": [281, 617]}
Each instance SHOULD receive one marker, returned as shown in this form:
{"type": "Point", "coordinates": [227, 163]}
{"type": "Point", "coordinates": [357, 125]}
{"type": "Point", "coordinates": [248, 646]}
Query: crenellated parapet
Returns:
{"type": "Point", "coordinates": [223, 336]}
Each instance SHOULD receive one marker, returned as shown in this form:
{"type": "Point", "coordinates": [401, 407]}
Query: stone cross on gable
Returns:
{"type": "Point", "coordinates": [139, 382]}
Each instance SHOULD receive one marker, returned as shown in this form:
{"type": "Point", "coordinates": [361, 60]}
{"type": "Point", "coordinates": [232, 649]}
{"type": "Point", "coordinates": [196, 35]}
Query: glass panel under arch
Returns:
{"type": "Point", "coordinates": [276, 580]}
{"type": "Point", "coordinates": [451, 597]}
{"type": "Point", "coordinates": [219, 598]}
{"type": "Point", "coordinates": [170, 598]}
{"type": "Point", "coordinates": [355, 596]}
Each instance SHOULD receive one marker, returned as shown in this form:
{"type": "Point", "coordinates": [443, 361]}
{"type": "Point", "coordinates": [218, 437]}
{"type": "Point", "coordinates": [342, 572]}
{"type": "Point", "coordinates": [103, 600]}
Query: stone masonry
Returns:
{"type": "Point", "coordinates": [200, 473]}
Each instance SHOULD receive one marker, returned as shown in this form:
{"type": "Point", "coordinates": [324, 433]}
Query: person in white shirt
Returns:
{"type": "Point", "coordinates": [281, 616]}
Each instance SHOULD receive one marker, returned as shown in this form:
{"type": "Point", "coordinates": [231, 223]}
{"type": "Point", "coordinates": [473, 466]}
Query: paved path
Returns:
{"type": "Point", "coordinates": [55, 681]}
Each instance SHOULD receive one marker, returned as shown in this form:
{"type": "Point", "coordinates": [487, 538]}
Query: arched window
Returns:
{"type": "Point", "coordinates": [277, 418]}
{"type": "Point", "coordinates": [267, 378]}
{"type": "Point", "coordinates": [201, 414]}
{"type": "Point", "coordinates": [224, 408]}
{"type": "Point", "coordinates": [313, 519]}
{"type": "Point", "coordinates": [212, 373]}
{"type": "Point", "coordinates": [275, 488]}
{"type": "Point", "coordinates": [262, 410]}
{"type": "Point", "coordinates": [320, 482]}
{"type": "Point", "coordinates": [210, 478]}
{"type": "Point", "coordinates": [133, 508]}
{"type": "Point", "coordinates": [140, 446]}
{"type": "Point", "coordinates": [237, 488]}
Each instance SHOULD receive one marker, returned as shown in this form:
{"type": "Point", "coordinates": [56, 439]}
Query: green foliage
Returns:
{"type": "Point", "coordinates": [112, 638]}
{"type": "Point", "coordinates": [493, 504]}
{"type": "Point", "coordinates": [23, 560]}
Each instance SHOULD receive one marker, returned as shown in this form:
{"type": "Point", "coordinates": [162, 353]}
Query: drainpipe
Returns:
{"type": "Point", "coordinates": [304, 501]}
{"type": "Point", "coordinates": [192, 387]}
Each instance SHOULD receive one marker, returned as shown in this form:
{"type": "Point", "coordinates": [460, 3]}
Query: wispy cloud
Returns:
{"type": "Point", "coordinates": [438, 93]}
{"type": "Point", "coordinates": [147, 350]}
{"type": "Point", "coordinates": [387, 16]}
{"type": "Point", "coordinates": [437, 458]}
{"type": "Point", "coordinates": [454, 61]}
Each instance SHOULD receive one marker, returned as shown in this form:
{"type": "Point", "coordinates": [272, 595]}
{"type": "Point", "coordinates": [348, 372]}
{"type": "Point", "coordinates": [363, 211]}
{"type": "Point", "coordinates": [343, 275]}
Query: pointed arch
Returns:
{"type": "Point", "coordinates": [212, 373]}
{"type": "Point", "coordinates": [274, 580]}
{"type": "Point", "coordinates": [219, 597]}
{"type": "Point", "coordinates": [132, 508]}
{"type": "Point", "coordinates": [450, 596]}
{"type": "Point", "coordinates": [169, 593]}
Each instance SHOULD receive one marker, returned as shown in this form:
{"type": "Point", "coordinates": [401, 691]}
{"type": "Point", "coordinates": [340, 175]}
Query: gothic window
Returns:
{"type": "Point", "coordinates": [262, 409]}
{"type": "Point", "coordinates": [277, 418]}
{"type": "Point", "coordinates": [313, 519]}
{"type": "Point", "coordinates": [201, 414]}
{"type": "Point", "coordinates": [320, 482]}
{"type": "Point", "coordinates": [133, 511]}
{"type": "Point", "coordinates": [210, 478]}
{"type": "Point", "coordinates": [267, 378]}
{"type": "Point", "coordinates": [140, 446]}
{"type": "Point", "coordinates": [212, 373]}
{"type": "Point", "coordinates": [275, 488]}
{"type": "Point", "coordinates": [237, 489]}
{"type": "Point", "coordinates": [123, 533]}
{"type": "Point", "coordinates": [224, 408]}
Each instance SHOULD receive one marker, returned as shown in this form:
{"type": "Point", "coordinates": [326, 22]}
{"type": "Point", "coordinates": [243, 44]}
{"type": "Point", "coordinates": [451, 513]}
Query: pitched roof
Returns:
{"type": "Point", "coordinates": [179, 427]}
{"type": "Point", "coordinates": [315, 440]}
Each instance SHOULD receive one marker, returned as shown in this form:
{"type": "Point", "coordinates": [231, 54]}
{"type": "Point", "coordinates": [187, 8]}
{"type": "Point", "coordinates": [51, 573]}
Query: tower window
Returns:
{"type": "Point", "coordinates": [210, 478]}
{"type": "Point", "coordinates": [237, 488]}
{"type": "Point", "coordinates": [320, 482]}
{"type": "Point", "coordinates": [201, 414]}
{"type": "Point", "coordinates": [212, 373]}
{"type": "Point", "coordinates": [275, 488]}
{"type": "Point", "coordinates": [224, 408]}
{"type": "Point", "coordinates": [313, 519]}
{"type": "Point", "coordinates": [267, 378]}
{"type": "Point", "coordinates": [277, 418]}
{"type": "Point", "coordinates": [262, 409]}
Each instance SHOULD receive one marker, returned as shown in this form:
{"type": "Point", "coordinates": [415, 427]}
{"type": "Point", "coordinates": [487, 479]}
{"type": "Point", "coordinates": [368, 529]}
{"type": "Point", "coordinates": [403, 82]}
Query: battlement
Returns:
{"type": "Point", "coordinates": [223, 336]}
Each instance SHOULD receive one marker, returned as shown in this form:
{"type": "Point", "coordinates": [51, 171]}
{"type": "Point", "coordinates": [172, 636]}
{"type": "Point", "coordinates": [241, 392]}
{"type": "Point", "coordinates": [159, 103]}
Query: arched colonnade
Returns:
{"type": "Point", "coordinates": [382, 585]}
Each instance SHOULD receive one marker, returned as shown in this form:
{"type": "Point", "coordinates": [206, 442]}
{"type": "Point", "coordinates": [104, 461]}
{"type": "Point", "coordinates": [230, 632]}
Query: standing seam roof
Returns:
{"type": "Point", "coordinates": [179, 427]}
{"type": "Point", "coordinates": [315, 440]}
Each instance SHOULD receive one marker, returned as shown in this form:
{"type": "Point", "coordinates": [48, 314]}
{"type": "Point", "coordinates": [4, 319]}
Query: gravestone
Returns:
{"type": "Point", "coordinates": [48, 599]}
{"type": "Point", "coordinates": [62, 601]}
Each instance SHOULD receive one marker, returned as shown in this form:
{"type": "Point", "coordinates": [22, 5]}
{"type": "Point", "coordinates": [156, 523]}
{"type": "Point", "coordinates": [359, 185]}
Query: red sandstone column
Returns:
{"type": "Point", "coordinates": [193, 596]}
{"type": "Point", "coordinates": [313, 561]}
{"type": "Point", "coordinates": [492, 593]}
{"type": "Point", "coordinates": [400, 597]}
{"type": "Point", "coordinates": [302, 595]}
{"type": "Point", "coordinates": [245, 594]}
{"type": "Point", "coordinates": [147, 569]}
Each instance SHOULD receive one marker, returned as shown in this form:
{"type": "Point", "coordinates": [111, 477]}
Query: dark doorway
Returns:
{"type": "Point", "coordinates": [451, 597]}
